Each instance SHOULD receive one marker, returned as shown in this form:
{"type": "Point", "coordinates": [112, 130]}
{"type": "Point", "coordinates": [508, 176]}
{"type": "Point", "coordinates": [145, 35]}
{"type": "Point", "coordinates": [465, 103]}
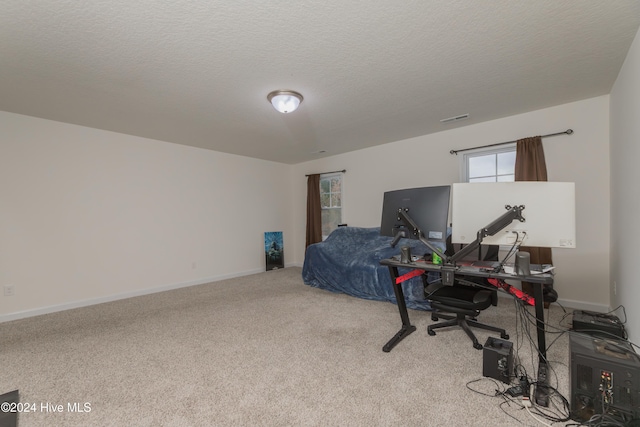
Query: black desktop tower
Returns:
{"type": "Point", "coordinates": [497, 359]}
{"type": "Point", "coordinates": [604, 377]}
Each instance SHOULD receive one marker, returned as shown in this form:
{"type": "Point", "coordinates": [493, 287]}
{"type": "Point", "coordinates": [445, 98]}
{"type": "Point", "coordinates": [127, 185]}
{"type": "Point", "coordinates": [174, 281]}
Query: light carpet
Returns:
{"type": "Point", "coordinates": [260, 350]}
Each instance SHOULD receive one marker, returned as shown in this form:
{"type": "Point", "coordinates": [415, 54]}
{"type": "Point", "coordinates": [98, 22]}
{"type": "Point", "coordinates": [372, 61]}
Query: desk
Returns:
{"type": "Point", "coordinates": [538, 281]}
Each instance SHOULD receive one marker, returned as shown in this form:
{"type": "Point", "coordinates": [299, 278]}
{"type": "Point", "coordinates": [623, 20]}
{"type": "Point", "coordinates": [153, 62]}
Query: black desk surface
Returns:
{"type": "Point", "coordinates": [471, 269]}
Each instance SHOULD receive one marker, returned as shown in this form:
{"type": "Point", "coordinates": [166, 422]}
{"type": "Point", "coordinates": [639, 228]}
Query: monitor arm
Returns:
{"type": "Point", "coordinates": [447, 272]}
{"type": "Point", "coordinates": [507, 218]}
{"type": "Point", "coordinates": [403, 215]}
{"type": "Point", "coordinates": [400, 235]}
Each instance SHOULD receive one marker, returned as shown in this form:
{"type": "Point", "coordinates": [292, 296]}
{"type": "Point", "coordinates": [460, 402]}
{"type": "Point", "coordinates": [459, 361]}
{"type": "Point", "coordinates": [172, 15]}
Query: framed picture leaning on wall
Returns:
{"type": "Point", "coordinates": [273, 250]}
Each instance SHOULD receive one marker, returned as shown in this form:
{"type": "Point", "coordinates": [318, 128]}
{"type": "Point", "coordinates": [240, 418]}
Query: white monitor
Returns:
{"type": "Point", "coordinates": [549, 213]}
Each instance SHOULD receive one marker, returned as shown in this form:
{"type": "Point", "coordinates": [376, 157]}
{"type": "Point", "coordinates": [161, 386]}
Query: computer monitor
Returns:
{"type": "Point", "coordinates": [549, 213]}
{"type": "Point", "coordinates": [428, 207]}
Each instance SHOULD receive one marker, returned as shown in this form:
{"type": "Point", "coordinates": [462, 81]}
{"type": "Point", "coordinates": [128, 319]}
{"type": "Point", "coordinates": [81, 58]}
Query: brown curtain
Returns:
{"type": "Point", "coordinates": [530, 163]}
{"type": "Point", "coordinates": [531, 166]}
{"type": "Point", "coordinates": [314, 213]}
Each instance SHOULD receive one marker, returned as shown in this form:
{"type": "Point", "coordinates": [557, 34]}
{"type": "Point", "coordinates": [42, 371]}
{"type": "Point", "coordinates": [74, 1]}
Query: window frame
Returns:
{"type": "Point", "coordinates": [464, 160]}
{"type": "Point", "coordinates": [329, 176]}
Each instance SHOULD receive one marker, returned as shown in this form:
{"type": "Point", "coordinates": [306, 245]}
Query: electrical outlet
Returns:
{"type": "Point", "coordinates": [615, 288]}
{"type": "Point", "coordinates": [9, 290]}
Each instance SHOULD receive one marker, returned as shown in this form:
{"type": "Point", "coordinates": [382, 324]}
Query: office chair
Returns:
{"type": "Point", "coordinates": [464, 301]}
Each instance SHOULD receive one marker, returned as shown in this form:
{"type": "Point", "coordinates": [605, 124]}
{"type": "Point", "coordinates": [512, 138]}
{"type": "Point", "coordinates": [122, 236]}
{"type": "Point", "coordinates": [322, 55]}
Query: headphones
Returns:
{"type": "Point", "coordinates": [549, 294]}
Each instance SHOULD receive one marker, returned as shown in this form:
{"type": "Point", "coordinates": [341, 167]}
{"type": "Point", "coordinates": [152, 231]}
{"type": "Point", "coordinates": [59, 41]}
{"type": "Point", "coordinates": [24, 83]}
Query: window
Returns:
{"type": "Point", "coordinates": [330, 202]}
{"type": "Point", "coordinates": [497, 165]}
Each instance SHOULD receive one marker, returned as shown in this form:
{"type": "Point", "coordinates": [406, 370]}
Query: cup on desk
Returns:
{"type": "Point", "coordinates": [405, 254]}
{"type": "Point", "coordinates": [522, 266]}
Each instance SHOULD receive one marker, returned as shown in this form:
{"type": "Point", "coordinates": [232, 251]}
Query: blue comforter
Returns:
{"type": "Point", "coordinates": [348, 262]}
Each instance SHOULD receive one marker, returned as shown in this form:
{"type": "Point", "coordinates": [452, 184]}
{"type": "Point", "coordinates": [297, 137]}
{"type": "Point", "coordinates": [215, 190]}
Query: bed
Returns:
{"type": "Point", "coordinates": [348, 262]}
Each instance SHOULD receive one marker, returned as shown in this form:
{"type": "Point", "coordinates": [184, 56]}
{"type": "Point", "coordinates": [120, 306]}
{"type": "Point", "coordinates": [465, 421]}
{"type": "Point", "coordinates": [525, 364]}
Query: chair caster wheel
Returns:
{"type": "Point", "coordinates": [477, 346]}
{"type": "Point", "coordinates": [430, 332]}
{"type": "Point", "coordinates": [504, 336]}
{"type": "Point", "coordinates": [434, 318]}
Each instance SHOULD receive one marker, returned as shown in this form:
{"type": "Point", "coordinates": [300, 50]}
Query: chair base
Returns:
{"type": "Point", "coordinates": [465, 323]}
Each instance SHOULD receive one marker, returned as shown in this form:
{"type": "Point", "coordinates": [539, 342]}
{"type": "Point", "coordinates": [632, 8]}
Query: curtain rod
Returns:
{"type": "Point", "coordinates": [324, 173]}
{"type": "Point", "coordinates": [566, 132]}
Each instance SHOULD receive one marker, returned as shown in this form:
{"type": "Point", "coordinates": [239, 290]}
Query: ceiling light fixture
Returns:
{"type": "Point", "coordinates": [285, 101]}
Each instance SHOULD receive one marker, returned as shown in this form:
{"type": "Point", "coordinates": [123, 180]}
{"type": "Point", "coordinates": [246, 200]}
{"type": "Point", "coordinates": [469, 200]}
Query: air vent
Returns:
{"type": "Point", "coordinates": [455, 119]}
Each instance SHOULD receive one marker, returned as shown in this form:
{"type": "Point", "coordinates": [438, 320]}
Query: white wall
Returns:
{"type": "Point", "coordinates": [625, 176]}
{"type": "Point", "coordinates": [88, 215]}
{"type": "Point", "coordinates": [582, 273]}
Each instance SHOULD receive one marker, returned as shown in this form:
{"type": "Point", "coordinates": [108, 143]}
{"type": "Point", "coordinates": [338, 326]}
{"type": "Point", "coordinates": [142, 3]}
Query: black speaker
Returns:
{"type": "Point", "coordinates": [497, 359]}
{"type": "Point", "coordinates": [9, 412]}
{"type": "Point", "coordinates": [523, 264]}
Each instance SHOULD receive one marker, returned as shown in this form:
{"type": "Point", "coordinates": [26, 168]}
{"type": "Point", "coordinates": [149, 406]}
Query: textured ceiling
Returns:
{"type": "Point", "coordinates": [198, 72]}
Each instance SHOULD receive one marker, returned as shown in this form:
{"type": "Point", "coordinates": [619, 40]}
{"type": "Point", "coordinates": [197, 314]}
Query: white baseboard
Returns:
{"type": "Point", "coordinates": [93, 301]}
{"type": "Point", "coordinates": [582, 305]}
